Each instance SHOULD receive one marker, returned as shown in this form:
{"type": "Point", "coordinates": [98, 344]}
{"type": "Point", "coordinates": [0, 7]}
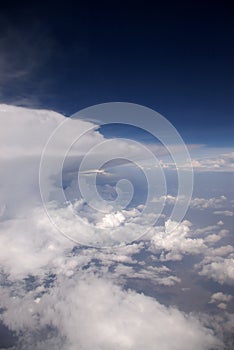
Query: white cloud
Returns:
{"type": "Point", "coordinates": [219, 296]}
{"type": "Point", "coordinates": [23, 135]}
{"type": "Point", "coordinates": [30, 244]}
{"type": "Point", "coordinates": [202, 203]}
{"type": "Point", "coordinates": [158, 275]}
{"type": "Point", "coordinates": [215, 237]}
{"type": "Point", "coordinates": [111, 220]}
{"type": "Point", "coordinates": [224, 212]}
{"type": "Point", "coordinates": [206, 159]}
{"type": "Point", "coordinates": [83, 306]}
{"type": "Point", "coordinates": [220, 269]}
{"type": "Point", "coordinates": [221, 300]}
{"type": "Point", "coordinates": [197, 202]}
{"type": "Point", "coordinates": [91, 313]}
{"type": "Point", "coordinates": [214, 160]}
{"type": "Point", "coordinates": [174, 244]}
{"type": "Point", "coordinates": [218, 264]}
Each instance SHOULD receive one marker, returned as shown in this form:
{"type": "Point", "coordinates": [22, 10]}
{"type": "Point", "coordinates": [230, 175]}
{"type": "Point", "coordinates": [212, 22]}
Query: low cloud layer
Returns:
{"type": "Point", "coordinates": [57, 294]}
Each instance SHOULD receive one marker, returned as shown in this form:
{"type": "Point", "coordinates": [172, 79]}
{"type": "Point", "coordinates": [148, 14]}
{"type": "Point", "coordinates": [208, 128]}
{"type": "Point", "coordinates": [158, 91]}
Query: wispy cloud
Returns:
{"type": "Point", "coordinates": [24, 51]}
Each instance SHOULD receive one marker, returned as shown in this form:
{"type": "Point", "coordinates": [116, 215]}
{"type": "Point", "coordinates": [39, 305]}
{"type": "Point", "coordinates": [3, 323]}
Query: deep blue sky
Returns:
{"type": "Point", "coordinates": [176, 57]}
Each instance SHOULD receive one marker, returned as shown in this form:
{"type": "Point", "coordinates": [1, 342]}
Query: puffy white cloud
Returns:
{"type": "Point", "coordinates": [24, 131]}
{"type": "Point", "coordinates": [197, 202]}
{"type": "Point", "coordinates": [218, 264]}
{"type": "Point", "coordinates": [203, 203]}
{"type": "Point", "coordinates": [215, 237]}
{"type": "Point", "coordinates": [30, 244]}
{"type": "Point", "coordinates": [111, 220]}
{"type": "Point", "coordinates": [23, 135]}
{"type": "Point", "coordinates": [219, 296]}
{"type": "Point", "coordinates": [221, 300]}
{"type": "Point", "coordinates": [220, 269]}
{"type": "Point", "coordinates": [215, 160]}
{"type": "Point", "coordinates": [173, 244]}
{"type": "Point", "coordinates": [93, 313]}
{"type": "Point", "coordinates": [52, 286]}
{"type": "Point", "coordinates": [81, 309]}
{"type": "Point", "coordinates": [222, 306]}
{"type": "Point", "coordinates": [211, 229]}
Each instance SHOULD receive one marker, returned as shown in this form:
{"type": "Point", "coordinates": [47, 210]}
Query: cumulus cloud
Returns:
{"type": "Point", "coordinates": [58, 295]}
{"type": "Point", "coordinates": [221, 300]}
{"type": "Point", "coordinates": [94, 313]}
{"type": "Point", "coordinates": [57, 290]}
{"type": "Point", "coordinates": [219, 269]}
{"type": "Point", "coordinates": [216, 160]}
{"type": "Point", "coordinates": [174, 244]}
{"type": "Point", "coordinates": [218, 264]}
{"type": "Point", "coordinates": [220, 297]}
{"type": "Point", "coordinates": [197, 202]}
{"type": "Point", "coordinates": [202, 203]}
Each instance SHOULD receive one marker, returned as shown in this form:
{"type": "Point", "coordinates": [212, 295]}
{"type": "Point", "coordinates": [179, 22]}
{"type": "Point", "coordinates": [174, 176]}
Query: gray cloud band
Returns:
{"type": "Point", "coordinates": [91, 161]}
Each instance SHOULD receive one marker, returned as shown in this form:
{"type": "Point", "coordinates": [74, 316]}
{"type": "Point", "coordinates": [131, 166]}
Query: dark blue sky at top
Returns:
{"type": "Point", "coordinates": [175, 57]}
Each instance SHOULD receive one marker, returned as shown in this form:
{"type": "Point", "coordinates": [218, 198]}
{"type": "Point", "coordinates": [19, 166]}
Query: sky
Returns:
{"type": "Point", "coordinates": [116, 176]}
{"type": "Point", "coordinates": [176, 58]}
